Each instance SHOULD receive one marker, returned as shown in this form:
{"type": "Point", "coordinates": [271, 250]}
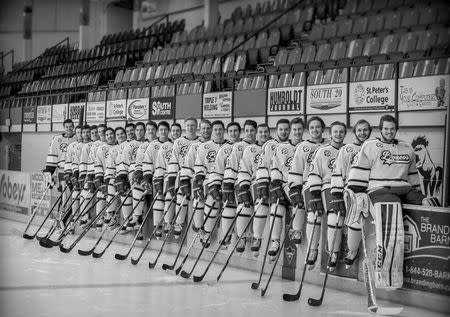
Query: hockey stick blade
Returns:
{"type": "Point", "coordinates": [198, 278]}
{"type": "Point", "coordinates": [291, 297]}
{"type": "Point", "coordinates": [151, 265]}
{"type": "Point", "coordinates": [185, 274]}
{"type": "Point", "coordinates": [27, 236]}
{"type": "Point", "coordinates": [96, 255]}
{"type": "Point", "coordinates": [255, 285]}
{"type": "Point", "coordinates": [177, 271]}
{"type": "Point", "coordinates": [385, 311]}
{"type": "Point", "coordinates": [134, 261]}
{"type": "Point", "coordinates": [121, 257]}
{"type": "Point", "coordinates": [167, 267]}
{"type": "Point", "coordinates": [46, 243]}
{"type": "Point", "coordinates": [63, 249]}
{"type": "Point", "coordinates": [86, 252]}
{"type": "Point", "coordinates": [315, 302]}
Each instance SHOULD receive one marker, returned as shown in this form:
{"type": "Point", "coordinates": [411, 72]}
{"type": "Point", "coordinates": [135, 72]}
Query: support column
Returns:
{"type": "Point", "coordinates": [27, 30]}
{"type": "Point", "coordinates": [84, 25]}
{"type": "Point", "coordinates": [211, 12]}
{"type": "Point", "coordinates": [137, 4]}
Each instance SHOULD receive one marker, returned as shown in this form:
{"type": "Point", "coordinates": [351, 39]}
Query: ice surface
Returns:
{"type": "Point", "coordinates": [35, 281]}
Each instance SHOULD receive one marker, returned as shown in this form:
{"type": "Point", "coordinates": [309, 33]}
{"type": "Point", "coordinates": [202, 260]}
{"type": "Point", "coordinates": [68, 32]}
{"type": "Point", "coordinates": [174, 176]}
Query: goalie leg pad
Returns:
{"type": "Point", "coordinates": [278, 218]}
{"type": "Point", "coordinates": [389, 245]}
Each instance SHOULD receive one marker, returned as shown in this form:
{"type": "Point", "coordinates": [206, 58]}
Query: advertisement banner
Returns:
{"type": "Point", "coordinates": [285, 101]}
{"type": "Point", "coordinates": [95, 112]}
{"type": "Point", "coordinates": [330, 98]}
{"type": "Point", "coordinates": [162, 108]}
{"type": "Point", "coordinates": [372, 96]}
{"type": "Point", "coordinates": [59, 113]}
{"type": "Point", "coordinates": [138, 109]}
{"type": "Point", "coordinates": [37, 190]}
{"type": "Point", "coordinates": [75, 110]}
{"type": "Point", "coordinates": [44, 114]}
{"type": "Point", "coordinates": [14, 191]}
{"type": "Point", "coordinates": [423, 93]}
{"type": "Point", "coordinates": [217, 104]}
{"type": "Point", "coordinates": [116, 109]}
{"type": "Point", "coordinates": [427, 249]}
{"type": "Point", "coordinates": [29, 115]}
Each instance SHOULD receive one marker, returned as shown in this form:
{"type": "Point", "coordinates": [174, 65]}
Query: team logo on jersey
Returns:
{"type": "Point", "coordinates": [273, 146]}
{"type": "Point", "coordinates": [227, 150]}
{"type": "Point", "coordinates": [388, 158]}
{"type": "Point", "coordinates": [284, 151]}
{"type": "Point", "coordinates": [211, 156]}
{"type": "Point", "coordinates": [311, 167]}
{"type": "Point", "coordinates": [288, 162]}
{"type": "Point", "coordinates": [354, 159]}
{"type": "Point", "coordinates": [331, 165]}
{"type": "Point", "coordinates": [240, 148]}
{"type": "Point", "coordinates": [183, 150]}
{"type": "Point", "coordinates": [327, 153]}
{"type": "Point", "coordinates": [257, 158]}
{"type": "Point", "coordinates": [253, 150]}
{"type": "Point", "coordinates": [63, 147]}
{"type": "Point", "coordinates": [305, 148]}
{"type": "Point", "coordinates": [310, 157]}
{"type": "Point", "coordinates": [378, 144]}
{"type": "Point", "coordinates": [134, 151]}
{"type": "Point", "coordinates": [349, 149]}
{"type": "Point", "coordinates": [156, 146]}
{"type": "Point", "coordinates": [168, 153]}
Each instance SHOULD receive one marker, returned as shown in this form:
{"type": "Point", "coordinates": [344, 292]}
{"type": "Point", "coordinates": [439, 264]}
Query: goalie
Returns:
{"type": "Point", "coordinates": [385, 169]}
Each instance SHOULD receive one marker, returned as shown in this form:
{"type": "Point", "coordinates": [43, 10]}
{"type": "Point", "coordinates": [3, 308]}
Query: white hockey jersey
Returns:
{"type": "Point", "coordinates": [265, 162]}
{"type": "Point", "coordinates": [179, 153]}
{"type": "Point", "coordinates": [113, 160]}
{"type": "Point", "coordinates": [205, 159]}
{"type": "Point", "coordinates": [219, 166]}
{"type": "Point", "coordinates": [282, 162]}
{"type": "Point", "coordinates": [92, 156]}
{"type": "Point", "coordinates": [128, 159]}
{"type": "Point", "coordinates": [56, 154]}
{"type": "Point", "coordinates": [100, 160]}
{"type": "Point", "coordinates": [84, 159]}
{"type": "Point", "coordinates": [321, 168]}
{"type": "Point", "coordinates": [70, 157]}
{"type": "Point", "coordinates": [248, 165]}
{"type": "Point", "coordinates": [187, 168]}
{"type": "Point", "coordinates": [344, 161]}
{"type": "Point", "coordinates": [233, 161]}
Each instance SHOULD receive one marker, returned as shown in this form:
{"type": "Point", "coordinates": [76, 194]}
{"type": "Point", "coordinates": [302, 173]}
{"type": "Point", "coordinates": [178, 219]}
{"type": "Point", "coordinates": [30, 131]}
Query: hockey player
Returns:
{"type": "Point", "coordinates": [149, 166]}
{"type": "Point", "coordinates": [186, 175]}
{"type": "Point", "coordinates": [175, 131]}
{"type": "Point", "coordinates": [56, 157]}
{"type": "Point", "coordinates": [339, 179]}
{"type": "Point", "coordinates": [279, 185]}
{"type": "Point", "coordinates": [298, 176]}
{"type": "Point", "coordinates": [179, 151]}
{"type": "Point", "coordinates": [319, 179]}
{"type": "Point", "coordinates": [99, 170]}
{"type": "Point", "coordinates": [246, 180]}
{"type": "Point", "coordinates": [385, 168]}
{"type": "Point", "coordinates": [129, 130]}
{"type": "Point", "coordinates": [204, 162]}
{"type": "Point", "coordinates": [112, 161]}
{"type": "Point", "coordinates": [125, 171]}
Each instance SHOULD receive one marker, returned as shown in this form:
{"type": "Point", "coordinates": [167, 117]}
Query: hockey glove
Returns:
{"type": "Point", "coordinates": [138, 177]}
{"type": "Point", "coordinates": [215, 192]}
{"type": "Point", "coordinates": [121, 184]}
{"type": "Point", "coordinates": [244, 195]}
{"type": "Point", "coordinates": [48, 179]}
{"type": "Point", "coordinates": [199, 193]}
{"type": "Point", "coordinates": [90, 183]}
{"type": "Point", "coordinates": [68, 179]}
{"type": "Point", "coordinates": [316, 205]}
{"type": "Point", "coordinates": [171, 185]}
{"type": "Point", "coordinates": [147, 183]}
{"type": "Point", "coordinates": [276, 191]}
{"type": "Point", "coordinates": [337, 204]}
{"type": "Point", "coordinates": [100, 185]}
{"type": "Point", "coordinates": [81, 181]}
{"type": "Point", "coordinates": [296, 197]}
{"type": "Point", "coordinates": [185, 187]}
{"type": "Point", "coordinates": [262, 191]}
{"type": "Point", "coordinates": [74, 179]}
{"type": "Point", "coordinates": [159, 185]}
{"type": "Point", "coordinates": [229, 194]}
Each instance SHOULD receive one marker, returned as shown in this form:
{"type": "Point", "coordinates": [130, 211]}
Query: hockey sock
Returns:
{"type": "Point", "coordinates": [299, 220]}
{"type": "Point", "coordinates": [243, 219]}
{"type": "Point", "coordinates": [101, 202]}
{"type": "Point", "coordinates": [211, 209]}
{"type": "Point", "coordinates": [127, 206]}
{"type": "Point", "coordinates": [170, 208]}
{"type": "Point", "coordinates": [353, 238]}
{"type": "Point", "coordinates": [331, 221]}
{"type": "Point", "coordinates": [181, 211]}
{"type": "Point", "coordinates": [158, 210]}
{"type": "Point", "coordinates": [199, 214]}
{"type": "Point", "coordinates": [259, 221]}
{"type": "Point", "coordinates": [138, 192]}
{"type": "Point", "coordinates": [278, 218]}
{"type": "Point", "coordinates": [76, 203]}
{"type": "Point", "coordinates": [227, 219]}
{"type": "Point", "coordinates": [309, 230]}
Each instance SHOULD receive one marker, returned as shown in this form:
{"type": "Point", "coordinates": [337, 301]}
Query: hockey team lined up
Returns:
{"type": "Point", "coordinates": [226, 177]}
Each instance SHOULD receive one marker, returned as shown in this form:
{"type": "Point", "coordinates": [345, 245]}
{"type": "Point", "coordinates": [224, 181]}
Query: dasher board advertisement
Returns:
{"type": "Point", "coordinates": [138, 109]}
{"type": "Point", "coordinates": [285, 101]}
{"type": "Point", "coordinates": [95, 112]}
{"type": "Point", "coordinates": [323, 99]}
{"type": "Point", "coordinates": [59, 112]}
{"type": "Point", "coordinates": [116, 109]}
{"type": "Point", "coordinates": [372, 96]}
{"type": "Point", "coordinates": [217, 104]}
{"type": "Point", "coordinates": [423, 93]}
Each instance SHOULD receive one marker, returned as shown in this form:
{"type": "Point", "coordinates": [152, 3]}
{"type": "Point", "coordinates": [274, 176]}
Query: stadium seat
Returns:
{"type": "Point", "coordinates": [359, 25]}
{"type": "Point", "coordinates": [409, 18]}
{"type": "Point", "coordinates": [344, 27]}
{"type": "Point", "coordinates": [392, 20]}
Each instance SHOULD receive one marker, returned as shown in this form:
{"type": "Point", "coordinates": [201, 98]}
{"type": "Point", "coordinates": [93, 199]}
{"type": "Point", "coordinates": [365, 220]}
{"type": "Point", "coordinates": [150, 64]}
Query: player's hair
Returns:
{"type": "Point", "coordinates": [282, 121]}
{"type": "Point", "coordinates": [298, 120]}
{"type": "Point", "coordinates": [79, 127]}
{"type": "Point", "coordinates": [130, 125]}
{"type": "Point", "coordinates": [164, 124]}
{"type": "Point", "coordinates": [86, 127]}
{"type": "Point", "coordinates": [387, 118]}
{"type": "Point", "coordinates": [102, 125]}
{"type": "Point", "coordinates": [362, 121]}
{"type": "Point", "coordinates": [152, 123]}
{"type": "Point", "coordinates": [191, 119]}
{"type": "Point", "coordinates": [119, 128]}
{"type": "Point", "coordinates": [110, 129]}
{"type": "Point", "coordinates": [206, 121]}
{"type": "Point", "coordinates": [140, 123]}
{"type": "Point", "coordinates": [176, 124]}
{"type": "Point", "coordinates": [234, 123]}
{"type": "Point", "coordinates": [342, 124]}
{"type": "Point", "coordinates": [263, 125]}
{"type": "Point", "coordinates": [315, 118]}
{"type": "Point", "coordinates": [94, 127]}
{"type": "Point", "coordinates": [251, 123]}
{"type": "Point", "coordinates": [218, 122]}
{"type": "Point", "coordinates": [67, 121]}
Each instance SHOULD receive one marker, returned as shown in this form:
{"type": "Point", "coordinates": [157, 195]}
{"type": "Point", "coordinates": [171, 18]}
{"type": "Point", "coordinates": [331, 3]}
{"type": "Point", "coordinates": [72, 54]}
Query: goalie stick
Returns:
{"type": "Point", "coordinates": [372, 306]}
{"type": "Point", "coordinates": [25, 235]}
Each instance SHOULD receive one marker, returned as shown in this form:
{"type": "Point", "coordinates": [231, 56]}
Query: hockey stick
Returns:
{"type": "Point", "coordinates": [185, 274]}
{"type": "Point", "coordinates": [264, 290]}
{"type": "Point", "coordinates": [151, 264]}
{"type": "Point", "coordinates": [237, 241]}
{"type": "Point", "coordinates": [255, 285]}
{"type": "Point", "coordinates": [318, 301]}
{"type": "Point", "coordinates": [199, 278]}
{"type": "Point", "coordinates": [25, 235]}
{"type": "Point", "coordinates": [177, 271]}
{"type": "Point", "coordinates": [122, 257]}
{"type": "Point", "coordinates": [296, 296]}
{"type": "Point", "coordinates": [172, 266]}
{"type": "Point", "coordinates": [89, 252]}
{"type": "Point", "coordinates": [135, 261]}
{"type": "Point", "coordinates": [371, 298]}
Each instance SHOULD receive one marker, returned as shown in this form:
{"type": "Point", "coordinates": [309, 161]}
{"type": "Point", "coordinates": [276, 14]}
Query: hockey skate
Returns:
{"type": "Point", "coordinates": [166, 227]}
{"type": "Point", "coordinates": [240, 247]}
{"type": "Point", "coordinates": [312, 258]}
{"type": "Point", "coordinates": [333, 260]}
{"type": "Point", "coordinates": [99, 225]}
{"type": "Point", "coordinates": [177, 229]}
{"type": "Point", "coordinates": [296, 236]}
{"type": "Point", "coordinates": [158, 232]}
{"type": "Point", "coordinates": [274, 249]}
{"type": "Point", "coordinates": [204, 238]}
{"type": "Point", "coordinates": [225, 243]}
{"type": "Point", "coordinates": [350, 258]}
{"type": "Point", "coordinates": [256, 246]}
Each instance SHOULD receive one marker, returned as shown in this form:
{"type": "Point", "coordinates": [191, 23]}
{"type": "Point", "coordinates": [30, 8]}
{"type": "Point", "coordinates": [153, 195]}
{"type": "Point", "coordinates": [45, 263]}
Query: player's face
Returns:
{"type": "Point", "coordinates": [205, 130]}
{"type": "Point", "coordinates": [94, 134]}
{"type": "Point", "coordinates": [283, 131]}
{"type": "Point", "coordinates": [163, 132]}
{"type": "Point", "coordinates": [315, 129]}
{"type": "Point", "coordinates": [151, 132]}
{"type": "Point", "coordinates": [337, 134]}
{"type": "Point", "coordinates": [86, 134]}
{"type": "Point", "coordinates": [362, 132]}
{"type": "Point", "coordinates": [109, 136]}
{"type": "Point", "coordinates": [130, 133]}
{"type": "Point", "coordinates": [263, 134]}
{"type": "Point", "coordinates": [389, 130]}
{"type": "Point", "coordinates": [233, 133]}
{"type": "Point", "coordinates": [218, 131]}
{"type": "Point", "coordinates": [175, 132]}
{"type": "Point", "coordinates": [191, 127]}
{"type": "Point", "coordinates": [250, 133]}
{"type": "Point", "coordinates": [78, 135]}
{"type": "Point", "coordinates": [297, 131]}
{"type": "Point", "coordinates": [120, 136]}
{"type": "Point", "coordinates": [101, 132]}
{"type": "Point", "coordinates": [139, 132]}
{"type": "Point", "coordinates": [68, 129]}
